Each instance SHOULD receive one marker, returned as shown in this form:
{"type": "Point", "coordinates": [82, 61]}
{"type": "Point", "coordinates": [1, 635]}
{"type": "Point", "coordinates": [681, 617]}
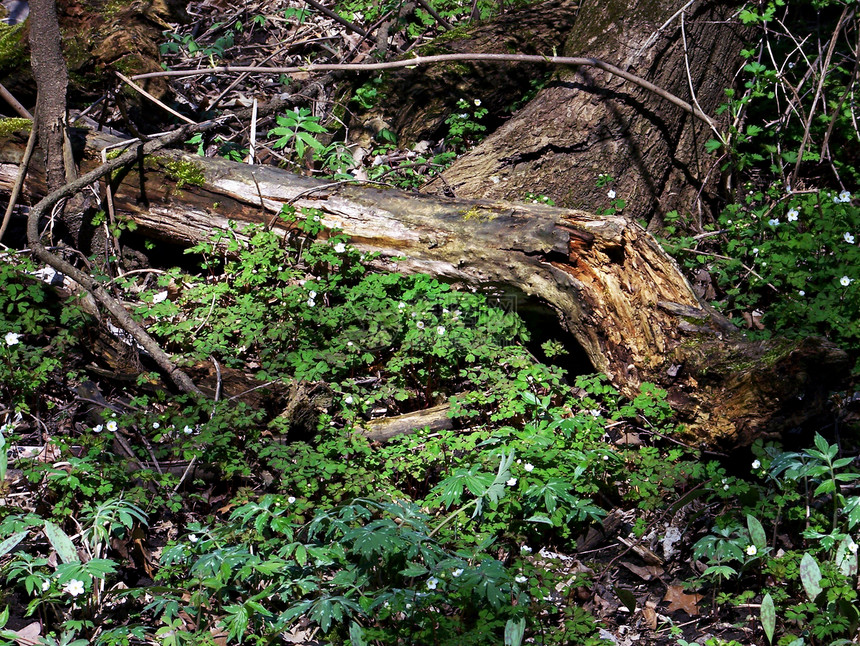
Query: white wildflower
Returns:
{"type": "Point", "coordinates": [74, 588]}
{"type": "Point", "coordinates": [12, 338]}
{"type": "Point", "coordinates": [312, 294]}
{"type": "Point", "coordinates": [432, 582]}
{"type": "Point", "coordinates": [440, 330]}
{"type": "Point", "coordinates": [774, 222]}
{"type": "Point", "coordinates": [457, 572]}
{"type": "Point", "coordinates": [529, 467]}
{"type": "Point", "coordinates": [401, 305]}
{"type": "Point", "coordinates": [845, 281]}
{"type": "Point", "coordinates": [311, 302]}
{"type": "Point", "coordinates": [187, 430]}
{"type": "Point", "coordinates": [420, 325]}
{"type": "Point", "coordinates": [193, 538]}
{"type": "Point", "coordinates": [477, 102]}
{"type": "Point", "coordinates": [751, 550]}
{"type": "Point", "coordinates": [291, 499]}
{"type": "Point", "coordinates": [156, 425]}
{"type": "Point", "coordinates": [792, 215]}
{"type": "Point", "coordinates": [525, 549]}
{"type": "Point", "coordinates": [339, 247]}
{"type": "Point", "coordinates": [98, 428]}
{"type": "Point", "coordinates": [848, 237]}
{"type": "Point", "coordinates": [46, 585]}
{"type": "Point", "coordinates": [611, 194]}
{"type": "Point", "coordinates": [520, 579]}
{"type": "Point", "coordinates": [112, 426]}
{"type": "Point", "coordinates": [853, 547]}
{"type": "Point", "coordinates": [845, 196]}
{"type": "Point", "coordinates": [512, 482]}
{"type": "Point", "coordinates": [348, 399]}
{"type": "Point", "coordinates": [755, 251]}
{"type": "Point", "coordinates": [801, 293]}
{"type": "Point", "coordinates": [756, 464]}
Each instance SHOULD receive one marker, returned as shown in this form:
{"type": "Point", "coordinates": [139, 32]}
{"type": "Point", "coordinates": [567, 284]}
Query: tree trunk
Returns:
{"type": "Point", "coordinates": [49, 70]}
{"type": "Point", "coordinates": [416, 102]}
{"type": "Point", "coordinates": [588, 122]}
{"type": "Point", "coordinates": [611, 284]}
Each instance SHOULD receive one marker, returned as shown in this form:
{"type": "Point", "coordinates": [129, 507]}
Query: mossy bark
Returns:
{"type": "Point", "coordinates": [98, 37]}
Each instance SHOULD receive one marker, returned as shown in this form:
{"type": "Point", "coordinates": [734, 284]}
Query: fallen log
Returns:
{"type": "Point", "coordinates": [384, 428]}
{"type": "Point", "coordinates": [614, 289]}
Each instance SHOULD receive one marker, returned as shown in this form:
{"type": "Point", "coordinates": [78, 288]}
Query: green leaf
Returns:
{"type": "Point", "coordinates": [768, 617]}
{"type": "Point", "coordinates": [626, 597]}
{"type": "Point", "coordinates": [759, 538]}
{"type": "Point", "coordinates": [356, 635]}
{"type": "Point", "coordinates": [514, 631]}
{"type": "Point", "coordinates": [821, 444]}
{"type": "Point", "coordinates": [712, 145]}
{"type": "Point", "coordinates": [10, 543]}
{"type": "Point", "coordinates": [414, 569]}
{"type": "Point", "coordinates": [846, 560]}
{"type": "Point", "coordinates": [810, 576]}
{"type": "Point", "coordinates": [61, 543]}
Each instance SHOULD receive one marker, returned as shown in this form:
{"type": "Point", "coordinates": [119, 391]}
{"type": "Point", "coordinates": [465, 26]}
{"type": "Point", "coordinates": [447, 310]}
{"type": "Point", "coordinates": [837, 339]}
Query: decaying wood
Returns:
{"type": "Point", "coordinates": [611, 284]}
{"type": "Point", "coordinates": [384, 428]}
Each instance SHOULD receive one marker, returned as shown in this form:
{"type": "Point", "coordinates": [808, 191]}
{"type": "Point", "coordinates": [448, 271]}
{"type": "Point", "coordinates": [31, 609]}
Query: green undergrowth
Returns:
{"type": "Point", "coordinates": [439, 537]}
{"type": "Point", "coordinates": [782, 256]}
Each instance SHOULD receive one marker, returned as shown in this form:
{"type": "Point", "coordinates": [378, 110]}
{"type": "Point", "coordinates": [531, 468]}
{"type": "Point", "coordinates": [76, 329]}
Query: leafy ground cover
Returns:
{"type": "Point", "coordinates": [552, 512]}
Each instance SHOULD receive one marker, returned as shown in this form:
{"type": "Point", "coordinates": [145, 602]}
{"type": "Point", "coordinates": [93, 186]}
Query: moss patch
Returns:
{"type": "Point", "coordinates": [8, 126]}
{"type": "Point", "coordinates": [184, 173]}
{"type": "Point", "coordinates": [12, 47]}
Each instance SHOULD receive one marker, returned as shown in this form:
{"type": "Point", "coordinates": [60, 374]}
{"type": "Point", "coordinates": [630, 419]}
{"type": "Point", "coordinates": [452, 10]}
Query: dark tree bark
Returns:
{"type": "Point", "coordinates": [588, 122]}
{"type": "Point", "coordinates": [49, 70]}
{"type": "Point", "coordinates": [611, 284]}
{"type": "Point", "coordinates": [416, 102]}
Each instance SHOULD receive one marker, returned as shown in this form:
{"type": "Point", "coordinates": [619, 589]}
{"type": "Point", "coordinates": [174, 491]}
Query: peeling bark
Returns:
{"type": "Point", "coordinates": [611, 284]}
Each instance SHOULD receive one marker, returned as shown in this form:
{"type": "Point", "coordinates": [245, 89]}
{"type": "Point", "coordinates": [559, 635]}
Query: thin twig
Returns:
{"type": "Point", "coordinates": [441, 58]}
{"type": "Point", "coordinates": [337, 18]}
{"type": "Point", "coordinates": [253, 138]}
{"type": "Point", "coordinates": [653, 37]}
{"type": "Point", "coordinates": [807, 127]}
{"type": "Point", "coordinates": [722, 257]}
{"type": "Point", "coordinates": [160, 104]}
{"type": "Point", "coordinates": [16, 105]}
{"type": "Point", "coordinates": [19, 180]}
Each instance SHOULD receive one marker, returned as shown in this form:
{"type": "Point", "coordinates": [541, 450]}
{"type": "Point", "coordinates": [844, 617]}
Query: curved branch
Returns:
{"type": "Point", "coordinates": [111, 304]}
{"type": "Point", "coordinates": [441, 58]}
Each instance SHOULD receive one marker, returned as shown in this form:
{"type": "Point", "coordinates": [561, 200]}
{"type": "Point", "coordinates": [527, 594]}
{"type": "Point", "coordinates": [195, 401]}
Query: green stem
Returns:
{"type": "Point", "coordinates": [452, 516]}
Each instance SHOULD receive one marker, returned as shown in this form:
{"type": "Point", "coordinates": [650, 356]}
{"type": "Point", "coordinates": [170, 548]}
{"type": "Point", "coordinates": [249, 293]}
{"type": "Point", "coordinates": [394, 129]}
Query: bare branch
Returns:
{"type": "Point", "coordinates": [441, 58]}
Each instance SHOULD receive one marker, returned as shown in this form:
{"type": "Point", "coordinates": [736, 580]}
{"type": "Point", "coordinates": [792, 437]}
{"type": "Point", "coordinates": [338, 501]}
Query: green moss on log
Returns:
{"type": "Point", "coordinates": [10, 126]}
